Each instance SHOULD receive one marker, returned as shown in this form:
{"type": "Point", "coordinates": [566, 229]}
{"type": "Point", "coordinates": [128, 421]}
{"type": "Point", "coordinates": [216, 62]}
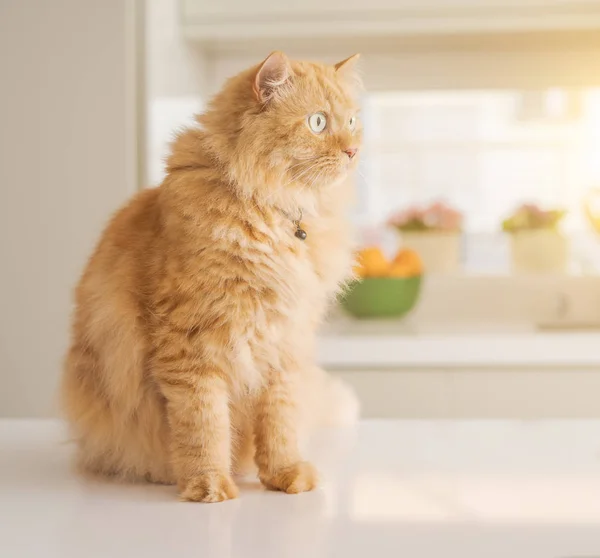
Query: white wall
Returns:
{"type": "Point", "coordinates": [482, 393]}
{"type": "Point", "coordinates": [67, 160]}
{"type": "Point", "coordinates": [176, 73]}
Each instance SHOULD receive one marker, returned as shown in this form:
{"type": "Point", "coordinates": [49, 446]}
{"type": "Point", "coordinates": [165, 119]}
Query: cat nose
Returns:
{"type": "Point", "coordinates": [351, 151]}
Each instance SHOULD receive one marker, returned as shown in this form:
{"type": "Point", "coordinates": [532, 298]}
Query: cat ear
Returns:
{"type": "Point", "coordinates": [347, 70]}
{"type": "Point", "coordinates": [272, 74]}
{"type": "Point", "coordinates": [348, 65]}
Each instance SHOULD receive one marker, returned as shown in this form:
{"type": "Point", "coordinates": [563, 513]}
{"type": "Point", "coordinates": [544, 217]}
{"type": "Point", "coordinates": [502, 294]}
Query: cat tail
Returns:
{"type": "Point", "coordinates": [329, 401]}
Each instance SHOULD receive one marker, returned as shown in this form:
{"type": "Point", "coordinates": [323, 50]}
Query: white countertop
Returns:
{"type": "Point", "coordinates": [417, 489]}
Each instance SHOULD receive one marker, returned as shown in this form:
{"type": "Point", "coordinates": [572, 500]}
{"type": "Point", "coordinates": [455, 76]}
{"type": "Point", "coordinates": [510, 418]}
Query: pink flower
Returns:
{"type": "Point", "coordinates": [438, 216]}
{"type": "Point", "coordinates": [406, 216]}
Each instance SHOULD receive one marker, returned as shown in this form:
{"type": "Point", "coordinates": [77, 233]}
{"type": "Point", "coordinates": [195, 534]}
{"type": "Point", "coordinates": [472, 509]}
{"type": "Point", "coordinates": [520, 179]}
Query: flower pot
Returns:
{"type": "Point", "coordinates": [439, 251]}
{"type": "Point", "coordinates": [539, 251]}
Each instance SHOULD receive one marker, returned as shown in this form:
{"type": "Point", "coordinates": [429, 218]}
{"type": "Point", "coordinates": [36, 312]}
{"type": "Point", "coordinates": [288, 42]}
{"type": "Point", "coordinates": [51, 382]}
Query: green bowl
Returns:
{"type": "Point", "coordinates": [378, 297]}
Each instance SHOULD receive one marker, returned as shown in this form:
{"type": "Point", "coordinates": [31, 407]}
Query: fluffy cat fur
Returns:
{"type": "Point", "coordinates": [193, 336]}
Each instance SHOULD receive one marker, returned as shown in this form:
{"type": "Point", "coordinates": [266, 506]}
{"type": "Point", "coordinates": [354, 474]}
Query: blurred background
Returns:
{"type": "Point", "coordinates": [479, 178]}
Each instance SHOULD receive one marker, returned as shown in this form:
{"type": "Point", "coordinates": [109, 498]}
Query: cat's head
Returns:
{"type": "Point", "coordinates": [285, 131]}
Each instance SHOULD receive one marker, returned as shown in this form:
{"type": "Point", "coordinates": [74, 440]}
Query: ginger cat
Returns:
{"type": "Point", "coordinates": [193, 338]}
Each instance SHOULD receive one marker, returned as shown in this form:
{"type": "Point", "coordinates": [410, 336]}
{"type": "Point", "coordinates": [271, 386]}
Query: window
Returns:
{"type": "Point", "coordinates": [166, 115]}
{"type": "Point", "coordinates": [484, 152]}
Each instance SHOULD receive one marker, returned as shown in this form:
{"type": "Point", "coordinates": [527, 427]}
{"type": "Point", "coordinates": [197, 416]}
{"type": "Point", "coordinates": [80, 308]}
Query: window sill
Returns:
{"type": "Point", "coordinates": [392, 345]}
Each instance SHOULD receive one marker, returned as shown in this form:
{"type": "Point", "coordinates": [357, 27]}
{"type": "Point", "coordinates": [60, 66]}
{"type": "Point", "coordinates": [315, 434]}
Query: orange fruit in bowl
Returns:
{"type": "Point", "coordinates": [399, 269]}
{"type": "Point", "coordinates": [407, 263]}
{"type": "Point", "coordinates": [371, 262]}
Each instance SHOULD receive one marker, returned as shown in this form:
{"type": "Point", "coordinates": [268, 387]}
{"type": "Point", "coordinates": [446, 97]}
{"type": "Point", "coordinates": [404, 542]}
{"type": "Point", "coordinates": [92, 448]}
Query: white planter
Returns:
{"type": "Point", "coordinates": [439, 251]}
{"type": "Point", "coordinates": [540, 251]}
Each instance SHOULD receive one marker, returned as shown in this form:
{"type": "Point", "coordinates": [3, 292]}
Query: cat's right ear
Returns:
{"type": "Point", "coordinates": [271, 75]}
{"type": "Point", "coordinates": [346, 70]}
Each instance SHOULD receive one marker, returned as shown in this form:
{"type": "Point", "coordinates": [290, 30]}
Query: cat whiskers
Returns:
{"type": "Point", "coordinates": [302, 161]}
{"type": "Point", "coordinates": [363, 177]}
{"type": "Point", "coordinates": [312, 178]}
{"type": "Point", "coordinates": [296, 176]}
{"type": "Point", "coordinates": [318, 175]}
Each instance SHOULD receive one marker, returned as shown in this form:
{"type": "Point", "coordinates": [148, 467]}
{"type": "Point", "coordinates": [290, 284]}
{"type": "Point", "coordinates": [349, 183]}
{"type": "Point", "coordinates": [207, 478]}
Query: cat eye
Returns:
{"type": "Point", "coordinates": [317, 122]}
{"type": "Point", "coordinates": [352, 122]}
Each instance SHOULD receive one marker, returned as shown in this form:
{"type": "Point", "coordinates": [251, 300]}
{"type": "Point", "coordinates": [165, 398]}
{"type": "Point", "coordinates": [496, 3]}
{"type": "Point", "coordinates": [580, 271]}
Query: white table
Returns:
{"type": "Point", "coordinates": [391, 489]}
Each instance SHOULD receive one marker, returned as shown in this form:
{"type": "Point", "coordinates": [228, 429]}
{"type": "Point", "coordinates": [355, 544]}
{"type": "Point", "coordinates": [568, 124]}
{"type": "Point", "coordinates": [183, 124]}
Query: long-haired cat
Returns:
{"type": "Point", "coordinates": [193, 339]}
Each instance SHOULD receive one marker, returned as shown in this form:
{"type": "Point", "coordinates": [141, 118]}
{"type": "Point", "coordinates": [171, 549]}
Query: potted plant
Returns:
{"type": "Point", "coordinates": [537, 245]}
{"type": "Point", "coordinates": [591, 208]}
{"type": "Point", "coordinates": [433, 232]}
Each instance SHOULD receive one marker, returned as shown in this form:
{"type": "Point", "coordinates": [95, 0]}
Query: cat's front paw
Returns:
{"type": "Point", "coordinates": [300, 477]}
{"type": "Point", "coordinates": [209, 487]}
